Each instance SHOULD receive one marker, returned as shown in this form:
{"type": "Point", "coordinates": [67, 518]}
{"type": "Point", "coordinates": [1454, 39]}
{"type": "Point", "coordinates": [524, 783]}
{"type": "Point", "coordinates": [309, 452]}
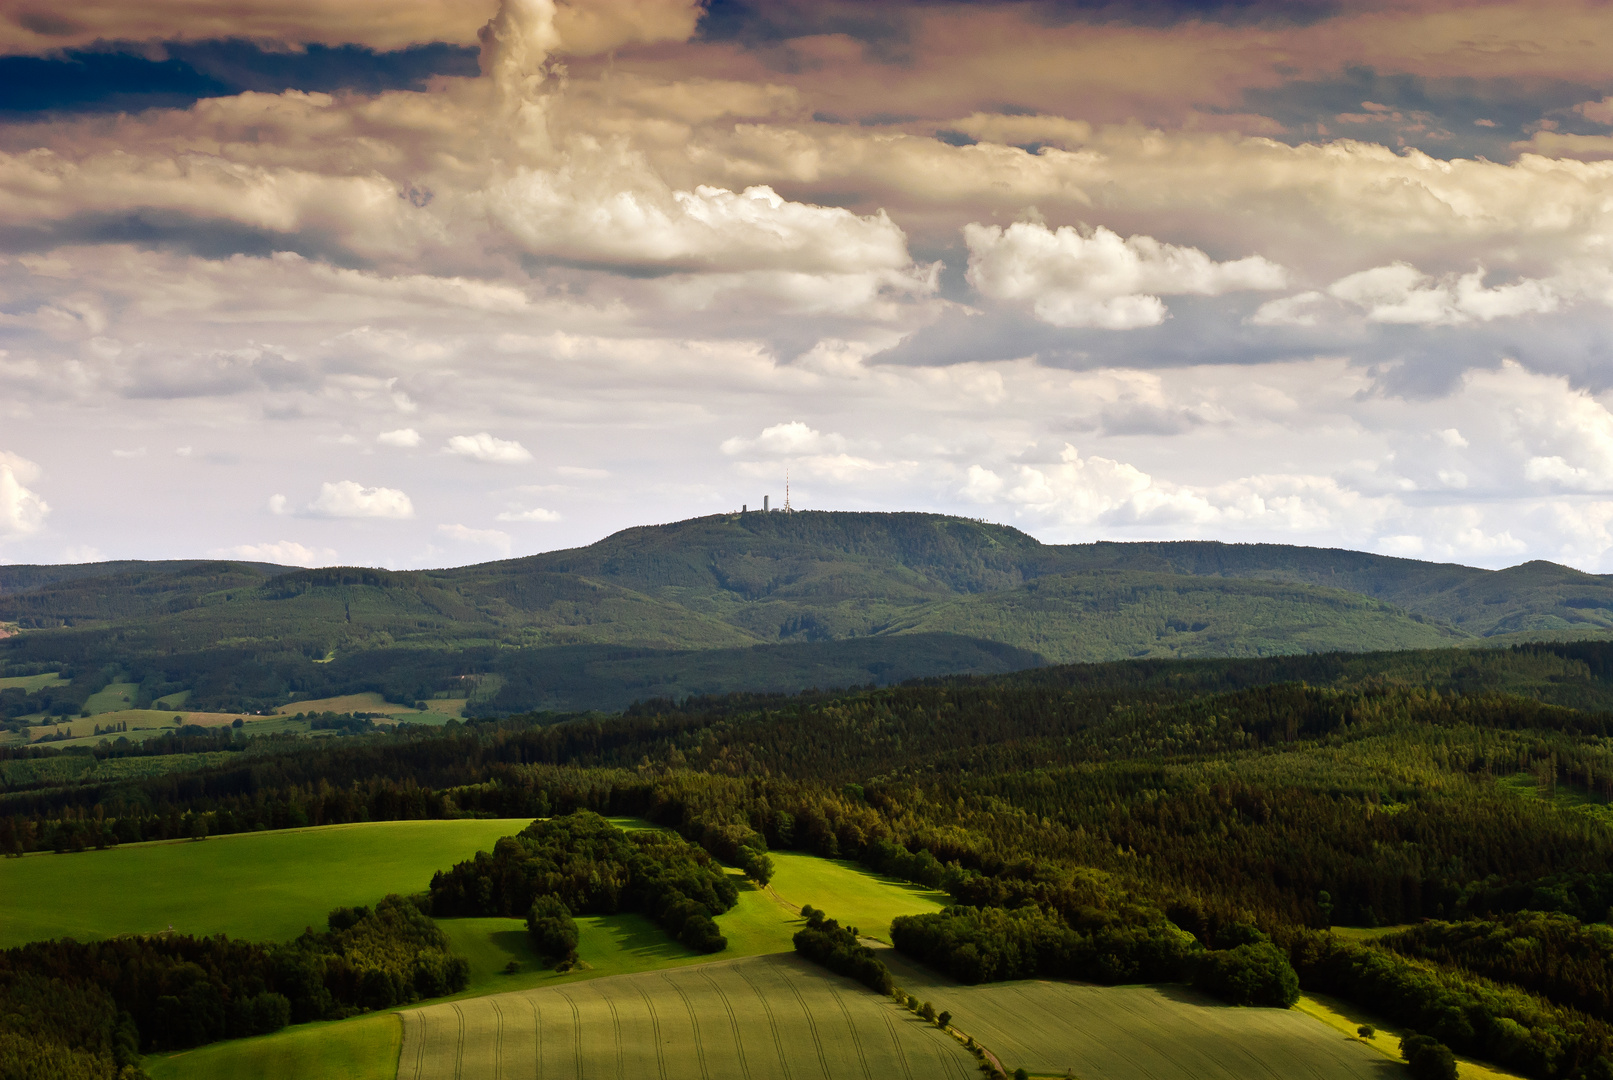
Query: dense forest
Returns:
{"type": "Point", "coordinates": [1203, 820]}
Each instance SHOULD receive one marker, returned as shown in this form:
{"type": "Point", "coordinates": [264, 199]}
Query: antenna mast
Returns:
{"type": "Point", "coordinates": [788, 509]}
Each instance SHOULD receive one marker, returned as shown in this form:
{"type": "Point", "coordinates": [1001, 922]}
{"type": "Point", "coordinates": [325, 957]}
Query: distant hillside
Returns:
{"type": "Point", "coordinates": [681, 608]}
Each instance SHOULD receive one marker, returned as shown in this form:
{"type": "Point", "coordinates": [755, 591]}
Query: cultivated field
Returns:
{"type": "Point", "coordinates": [363, 1048]}
{"type": "Point", "coordinates": [262, 886]}
{"type": "Point", "coordinates": [758, 1018]}
{"type": "Point", "coordinates": [144, 723]}
{"type": "Point", "coordinates": [1139, 1032]}
{"type": "Point", "coordinates": [445, 708]}
{"type": "Point", "coordinates": [30, 683]}
{"type": "Point", "coordinates": [850, 893]}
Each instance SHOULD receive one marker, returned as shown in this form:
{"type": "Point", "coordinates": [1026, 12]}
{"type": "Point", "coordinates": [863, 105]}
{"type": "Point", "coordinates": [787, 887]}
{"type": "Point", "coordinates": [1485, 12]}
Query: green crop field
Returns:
{"type": "Point", "coordinates": [263, 886]}
{"type": "Point", "coordinates": [850, 893]}
{"type": "Point", "coordinates": [31, 683]}
{"type": "Point", "coordinates": [613, 944]}
{"type": "Point", "coordinates": [113, 696]}
{"type": "Point", "coordinates": [610, 945]}
{"type": "Point", "coordinates": [364, 1048]}
{"type": "Point", "coordinates": [762, 922]}
{"type": "Point", "coordinates": [1158, 1032]}
{"type": "Point", "coordinates": [372, 702]}
{"type": "Point", "coordinates": [761, 1017]}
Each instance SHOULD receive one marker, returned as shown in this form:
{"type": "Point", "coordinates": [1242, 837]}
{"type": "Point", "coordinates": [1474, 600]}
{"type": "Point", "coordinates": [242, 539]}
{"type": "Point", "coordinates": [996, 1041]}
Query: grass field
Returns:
{"type": "Point", "coordinates": [146, 723]}
{"type": "Point", "coordinates": [118, 695]}
{"type": "Point", "coordinates": [762, 922]}
{"type": "Point", "coordinates": [850, 893]}
{"type": "Point", "coordinates": [265, 886]}
{"type": "Point", "coordinates": [610, 945]}
{"type": "Point", "coordinates": [1347, 1019]}
{"type": "Point", "coordinates": [31, 683]}
{"type": "Point", "coordinates": [758, 1018]}
{"type": "Point", "coordinates": [363, 1048]}
{"type": "Point", "coordinates": [614, 944]}
{"type": "Point", "coordinates": [445, 708]}
{"type": "Point", "coordinates": [1565, 796]}
{"type": "Point", "coordinates": [1146, 1032]}
{"type": "Point", "coordinates": [143, 723]}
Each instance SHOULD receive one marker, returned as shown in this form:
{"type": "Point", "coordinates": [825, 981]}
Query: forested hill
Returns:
{"type": "Point", "coordinates": [755, 601]}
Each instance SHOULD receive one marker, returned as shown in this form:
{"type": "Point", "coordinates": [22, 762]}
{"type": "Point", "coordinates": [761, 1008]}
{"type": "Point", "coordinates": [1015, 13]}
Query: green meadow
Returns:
{"type": "Point", "coordinates": [31, 683]}
{"type": "Point", "coordinates": [366, 1048]}
{"type": "Point", "coordinates": [849, 893]}
{"type": "Point", "coordinates": [262, 886]}
{"type": "Point", "coordinates": [363, 1048]}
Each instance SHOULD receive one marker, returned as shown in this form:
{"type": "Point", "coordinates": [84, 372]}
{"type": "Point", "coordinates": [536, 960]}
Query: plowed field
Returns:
{"type": "Point", "coordinates": [760, 1018]}
{"type": "Point", "coordinates": [1140, 1032]}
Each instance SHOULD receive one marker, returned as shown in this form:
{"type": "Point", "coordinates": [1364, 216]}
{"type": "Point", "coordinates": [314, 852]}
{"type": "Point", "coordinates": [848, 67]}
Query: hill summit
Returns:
{"type": "Point", "coordinates": [754, 601]}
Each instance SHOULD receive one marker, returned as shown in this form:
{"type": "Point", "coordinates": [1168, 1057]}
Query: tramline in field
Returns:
{"type": "Point", "coordinates": [759, 1018]}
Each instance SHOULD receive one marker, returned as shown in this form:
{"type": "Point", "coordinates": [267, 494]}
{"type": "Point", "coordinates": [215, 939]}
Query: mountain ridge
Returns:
{"type": "Point", "coordinates": [677, 595]}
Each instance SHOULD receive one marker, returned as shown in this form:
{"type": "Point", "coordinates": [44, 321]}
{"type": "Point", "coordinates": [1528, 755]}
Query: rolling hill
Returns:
{"type": "Point", "coordinates": [763, 602]}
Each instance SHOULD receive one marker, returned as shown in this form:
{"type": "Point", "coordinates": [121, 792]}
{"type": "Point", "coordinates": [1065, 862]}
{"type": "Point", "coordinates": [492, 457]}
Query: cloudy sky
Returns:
{"type": "Point", "coordinates": [429, 282]}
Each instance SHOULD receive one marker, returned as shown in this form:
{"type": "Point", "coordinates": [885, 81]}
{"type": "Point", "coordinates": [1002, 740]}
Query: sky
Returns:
{"type": "Point", "coordinates": [430, 282]}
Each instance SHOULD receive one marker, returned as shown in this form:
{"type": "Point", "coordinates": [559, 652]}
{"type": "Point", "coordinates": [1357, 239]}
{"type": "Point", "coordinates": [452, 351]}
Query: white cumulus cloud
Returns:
{"type": "Point", "coordinates": [403, 437]}
{"type": "Point", "coordinates": [484, 447]}
{"type": "Point", "coordinates": [22, 512]}
{"type": "Point", "coordinates": [493, 538]}
{"type": "Point", "coordinates": [785, 440]}
{"type": "Point", "coordinates": [1400, 293]}
{"type": "Point", "coordinates": [347, 499]}
{"type": "Point", "coordinates": [535, 514]}
{"type": "Point", "coordinates": [1096, 277]}
{"type": "Point", "coordinates": [283, 552]}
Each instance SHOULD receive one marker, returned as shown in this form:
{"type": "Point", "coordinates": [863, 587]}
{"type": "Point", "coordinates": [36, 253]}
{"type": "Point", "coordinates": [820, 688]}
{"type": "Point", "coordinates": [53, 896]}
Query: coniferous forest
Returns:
{"type": "Point", "coordinates": [1197, 821]}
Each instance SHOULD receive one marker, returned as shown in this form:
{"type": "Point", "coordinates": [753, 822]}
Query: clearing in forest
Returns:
{"type": "Point", "coordinates": [263, 886]}
{"type": "Point", "coordinates": [852, 895]}
{"type": "Point", "coordinates": [1138, 1032]}
{"type": "Point", "coordinates": [759, 1018]}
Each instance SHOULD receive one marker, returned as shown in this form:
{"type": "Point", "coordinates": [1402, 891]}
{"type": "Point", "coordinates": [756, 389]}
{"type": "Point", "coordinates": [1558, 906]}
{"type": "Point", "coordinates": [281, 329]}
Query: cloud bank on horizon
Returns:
{"type": "Point", "coordinates": [418, 283]}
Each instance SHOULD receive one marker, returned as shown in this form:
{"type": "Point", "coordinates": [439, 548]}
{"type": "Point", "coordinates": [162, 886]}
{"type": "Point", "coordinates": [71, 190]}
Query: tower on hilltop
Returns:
{"type": "Point", "coordinates": [788, 509]}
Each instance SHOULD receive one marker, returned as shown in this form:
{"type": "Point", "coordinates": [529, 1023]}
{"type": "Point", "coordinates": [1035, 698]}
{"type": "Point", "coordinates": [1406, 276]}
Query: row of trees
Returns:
{"type": "Point", "coordinates": [72, 1008]}
{"type": "Point", "coordinates": [824, 941]}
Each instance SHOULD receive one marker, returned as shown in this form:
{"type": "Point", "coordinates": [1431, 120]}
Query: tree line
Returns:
{"type": "Point", "coordinates": [90, 1009]}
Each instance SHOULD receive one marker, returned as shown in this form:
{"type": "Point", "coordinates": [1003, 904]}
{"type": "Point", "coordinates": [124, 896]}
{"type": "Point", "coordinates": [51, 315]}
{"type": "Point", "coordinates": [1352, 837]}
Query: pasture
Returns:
{"type": "Point", "coordinates": [1142, 1032]}
{"type": "Point", "coordinates": [761, 924]}
{"type": "Point", "coordinates": [363, 1048]}
{"type": "Point", "coordinates": [613, 944]}
{"type": "Point", "coordinates": [1347, 1019]}
{"type": "Point", "coordinates": [112, 696]}
{"type": "Point", "coordinates": [445, 708]}
{"type": "Point", "coordinates": [261, 885]}
{"type": "Point", "coordinates": [760, 1017]}
{"type": "Point", "coordinates": [143, 724]}
{"type": "Point", "coordinates": [850, 893]}
{"type": "Point", "coordinates": [30, 683]}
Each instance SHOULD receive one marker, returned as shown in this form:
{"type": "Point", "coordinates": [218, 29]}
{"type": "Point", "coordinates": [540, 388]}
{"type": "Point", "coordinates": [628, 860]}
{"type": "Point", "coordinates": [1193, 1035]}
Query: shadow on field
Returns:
{"type": "Point", "coordinates": [640, 938]}
{"type": "Point", "coordinates": [1186, 995]}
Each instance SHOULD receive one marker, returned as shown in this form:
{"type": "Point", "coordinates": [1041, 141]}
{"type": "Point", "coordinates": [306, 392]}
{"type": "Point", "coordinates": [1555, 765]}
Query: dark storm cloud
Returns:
{"type": "Point", "coordinates": [883, 24]}
{"type": "Point", "coordinates": [165, 230]}
{"type": "Point", "coordinates": [122, 77]}
{"type": "Point", "coordinates": [1444, 118]}
{"type": "Point", "coordinates": [1406, 361]}
{"type": "Point", "coordinates": [1200, 331]}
